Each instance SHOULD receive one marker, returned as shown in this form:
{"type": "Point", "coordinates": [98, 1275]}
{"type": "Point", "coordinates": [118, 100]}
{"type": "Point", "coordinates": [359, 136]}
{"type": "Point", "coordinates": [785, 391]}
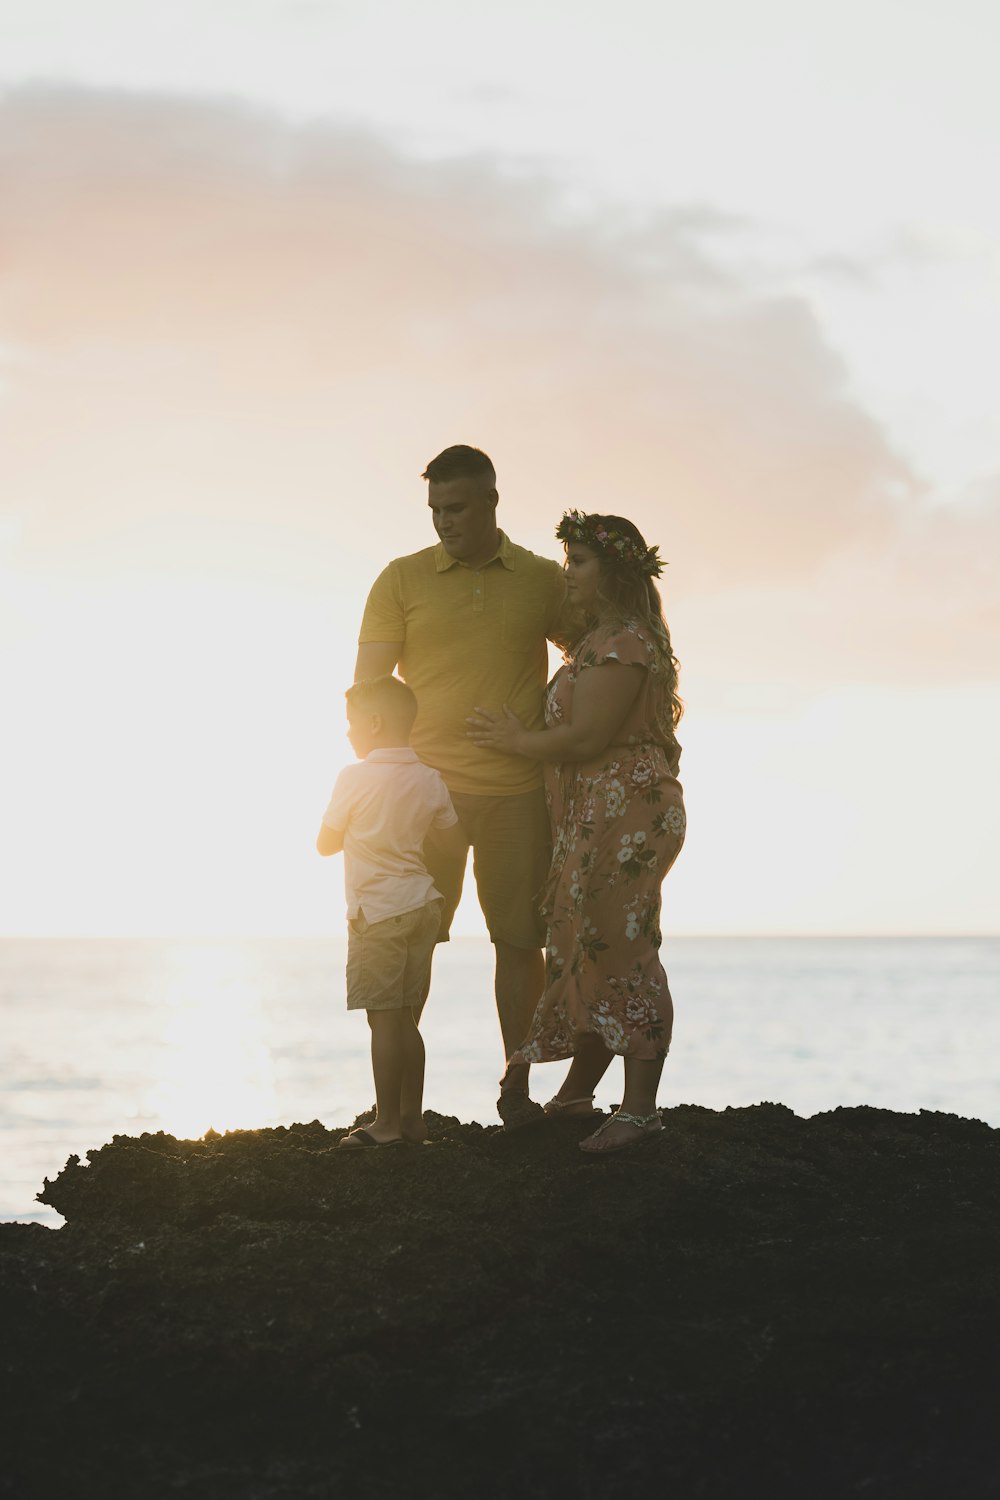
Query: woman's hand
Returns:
{"type": "Point", "coordinates": [501, 731]}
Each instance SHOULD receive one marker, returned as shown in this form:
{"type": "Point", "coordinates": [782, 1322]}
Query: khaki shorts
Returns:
{"type": "Point", "coordinates": [511, 850]}
{"type": "Point", "coordinates": [388, 962]}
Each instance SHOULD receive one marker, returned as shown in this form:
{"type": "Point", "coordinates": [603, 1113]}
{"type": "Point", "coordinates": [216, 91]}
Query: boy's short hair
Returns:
{"type": "Point", "coordinates": [387, 696]}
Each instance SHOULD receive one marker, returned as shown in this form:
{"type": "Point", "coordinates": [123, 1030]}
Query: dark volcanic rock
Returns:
{"type": "Point", "coordinates": [752, 1304]}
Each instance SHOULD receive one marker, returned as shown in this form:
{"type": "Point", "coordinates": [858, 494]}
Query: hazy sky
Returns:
{"type": "Point", "coordinates": [734, 272]}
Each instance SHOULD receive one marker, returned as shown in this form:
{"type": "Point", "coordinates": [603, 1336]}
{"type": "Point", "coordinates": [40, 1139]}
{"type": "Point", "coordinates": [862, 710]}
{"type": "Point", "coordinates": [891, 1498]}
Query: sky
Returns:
{"type": "Point", "coordinates": [732, 271]}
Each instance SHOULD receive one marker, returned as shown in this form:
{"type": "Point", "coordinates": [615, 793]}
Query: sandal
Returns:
{"type": "Point", "coordinates": [647, 1125]}
{"type": "Point", "coordinates": [516, 1110]}
{"type": "Point", "coordinates": [363, 1140]}
{"type": "Point", "coordinates": [558, 1106]}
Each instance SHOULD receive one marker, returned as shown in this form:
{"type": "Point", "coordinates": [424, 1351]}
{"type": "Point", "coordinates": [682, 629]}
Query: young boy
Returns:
{"type": "Point", "coordinates": [380, 813]}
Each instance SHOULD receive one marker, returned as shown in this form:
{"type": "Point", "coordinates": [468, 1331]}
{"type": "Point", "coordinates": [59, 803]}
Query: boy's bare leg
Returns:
{"type": "Point", "coordinates": [519, 981]}
{"type": "Point", "coordinates": [411, 1089]}
{"type": "Point", "coordinates": [387, 1070]}
{"type": "Point", "coordinates": [419, 1009]}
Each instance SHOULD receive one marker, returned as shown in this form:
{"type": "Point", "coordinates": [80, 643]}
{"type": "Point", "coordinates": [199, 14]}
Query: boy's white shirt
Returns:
{"type": "Point", "coordinates": [385, 806]}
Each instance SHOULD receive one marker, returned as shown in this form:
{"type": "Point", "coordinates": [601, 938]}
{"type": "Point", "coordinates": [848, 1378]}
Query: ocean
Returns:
{"type": "Point", "coordinates": [105, 1037]}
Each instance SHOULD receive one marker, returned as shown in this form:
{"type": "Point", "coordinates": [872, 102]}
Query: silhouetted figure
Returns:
{"type": "Point", "coordinates": [465, 620]}
{"type": "Point", "coordinates": [380, 813]}
{"type": "Point", "coordinates": [617, 810]}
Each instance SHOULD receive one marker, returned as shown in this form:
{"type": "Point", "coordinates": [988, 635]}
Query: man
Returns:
{"type": "Point", "coordinates": [466, 623]}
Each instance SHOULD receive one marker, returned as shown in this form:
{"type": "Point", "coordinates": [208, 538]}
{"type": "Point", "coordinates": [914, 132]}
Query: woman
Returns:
{"type": "Point", "coordinates": [617, 810]}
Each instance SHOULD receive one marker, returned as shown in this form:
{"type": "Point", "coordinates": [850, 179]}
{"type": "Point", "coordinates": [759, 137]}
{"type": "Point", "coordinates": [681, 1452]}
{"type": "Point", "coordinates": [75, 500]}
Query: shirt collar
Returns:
{"type": "Point", "coordinates": [392, 753]}
{"type": "Point", "coordinates": [504, 554]}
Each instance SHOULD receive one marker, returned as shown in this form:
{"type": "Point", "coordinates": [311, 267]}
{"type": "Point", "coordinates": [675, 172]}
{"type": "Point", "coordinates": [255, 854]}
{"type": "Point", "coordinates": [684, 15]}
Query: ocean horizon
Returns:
{"type": "Point", "coordinates": [113, 1036]}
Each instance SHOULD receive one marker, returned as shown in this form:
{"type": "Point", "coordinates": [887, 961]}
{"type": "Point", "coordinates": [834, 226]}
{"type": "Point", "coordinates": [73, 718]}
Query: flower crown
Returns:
{"type": "Point", "coordinates": [576, 526]}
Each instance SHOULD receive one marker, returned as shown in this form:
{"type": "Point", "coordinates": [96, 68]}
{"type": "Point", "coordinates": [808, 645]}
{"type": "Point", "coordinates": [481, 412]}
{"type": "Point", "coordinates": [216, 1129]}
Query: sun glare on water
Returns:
{"type": "Point", "coordinates": [214, 1068]}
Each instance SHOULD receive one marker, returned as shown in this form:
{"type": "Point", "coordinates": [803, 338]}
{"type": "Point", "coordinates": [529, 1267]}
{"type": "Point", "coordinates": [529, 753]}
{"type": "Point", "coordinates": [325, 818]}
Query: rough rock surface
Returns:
{"type": "Point", "coordinates": [752, 1304]}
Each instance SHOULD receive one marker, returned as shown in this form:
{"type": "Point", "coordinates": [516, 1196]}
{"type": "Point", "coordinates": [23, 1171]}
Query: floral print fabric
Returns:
{"type": "Point", "coordinates": [618, 825]}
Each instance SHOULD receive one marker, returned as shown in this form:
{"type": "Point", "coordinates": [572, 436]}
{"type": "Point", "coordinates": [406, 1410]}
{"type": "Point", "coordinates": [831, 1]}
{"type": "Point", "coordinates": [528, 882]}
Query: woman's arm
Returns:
{"type": "Point", "coordinates": [602, 697]}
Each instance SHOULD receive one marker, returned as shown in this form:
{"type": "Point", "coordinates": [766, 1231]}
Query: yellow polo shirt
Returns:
{"type": "Point", "coordinates": [469, 636]}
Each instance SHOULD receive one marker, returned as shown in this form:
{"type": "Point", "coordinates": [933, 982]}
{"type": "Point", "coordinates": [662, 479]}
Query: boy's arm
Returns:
{"type": "Point", "coordinates": [329, 840]}
{"type": "Point", "coordinates": [446, 831]}
{"type": "Point", "coordinates": [451, 840]}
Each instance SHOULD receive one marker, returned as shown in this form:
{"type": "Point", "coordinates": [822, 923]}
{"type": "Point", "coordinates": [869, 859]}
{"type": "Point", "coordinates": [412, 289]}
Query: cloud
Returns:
{"type": "Point", "coordinates": [235, 343]}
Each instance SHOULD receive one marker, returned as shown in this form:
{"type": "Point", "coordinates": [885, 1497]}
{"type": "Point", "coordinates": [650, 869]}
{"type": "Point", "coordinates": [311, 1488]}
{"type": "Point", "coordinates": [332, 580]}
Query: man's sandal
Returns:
{"type": "Point", "coordinates": [647, 1125]}
{"type": "Point", "coordinates": [516, 1110]}
{"type": "Point", "coordinates": [556, 1107]}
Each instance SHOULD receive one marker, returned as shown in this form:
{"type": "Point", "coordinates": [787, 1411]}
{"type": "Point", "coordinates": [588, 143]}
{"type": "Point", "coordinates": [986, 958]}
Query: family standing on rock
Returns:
{"type": "Point", "coordinates": [453, 757]}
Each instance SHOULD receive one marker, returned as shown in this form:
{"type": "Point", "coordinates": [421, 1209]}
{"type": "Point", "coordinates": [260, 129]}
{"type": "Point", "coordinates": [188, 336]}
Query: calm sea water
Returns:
{"type": "Point", "coordinates": [105, 1037]}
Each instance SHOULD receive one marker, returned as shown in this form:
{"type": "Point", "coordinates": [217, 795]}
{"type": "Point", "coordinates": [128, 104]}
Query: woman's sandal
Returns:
{"type": "Point", "coordinates": [648, 1126]}
{"type": "Point", "coordinates": [556, 1107]}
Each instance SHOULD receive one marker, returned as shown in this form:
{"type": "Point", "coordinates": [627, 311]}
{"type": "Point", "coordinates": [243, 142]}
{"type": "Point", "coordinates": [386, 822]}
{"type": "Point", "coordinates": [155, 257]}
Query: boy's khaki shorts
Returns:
{"type": "Point", "coordinates": [388, 962]}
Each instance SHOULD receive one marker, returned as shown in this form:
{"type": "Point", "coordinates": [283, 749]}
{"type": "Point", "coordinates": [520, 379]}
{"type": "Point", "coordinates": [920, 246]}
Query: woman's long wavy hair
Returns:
{"type": "Point", "coordinates": [631, 595]}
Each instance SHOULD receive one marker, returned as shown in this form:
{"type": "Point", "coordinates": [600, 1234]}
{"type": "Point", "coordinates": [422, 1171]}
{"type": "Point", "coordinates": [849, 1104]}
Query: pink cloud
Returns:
{"type": "Point", "coordinates": [217, 317]}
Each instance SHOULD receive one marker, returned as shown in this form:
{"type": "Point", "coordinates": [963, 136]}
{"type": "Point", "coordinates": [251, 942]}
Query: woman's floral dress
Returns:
{"type": "Point", "coordinates": [617, 827]}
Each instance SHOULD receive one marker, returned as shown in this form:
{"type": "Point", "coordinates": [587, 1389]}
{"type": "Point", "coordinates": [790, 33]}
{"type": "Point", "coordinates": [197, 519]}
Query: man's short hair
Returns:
{"type": "Point", "coordinates": [387, 696]}
{"type": "Point", "coordinates": [460, 462]}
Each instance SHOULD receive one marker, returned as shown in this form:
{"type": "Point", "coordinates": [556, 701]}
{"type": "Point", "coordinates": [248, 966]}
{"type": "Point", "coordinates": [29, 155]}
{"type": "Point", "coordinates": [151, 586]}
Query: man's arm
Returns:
{"type": "Point", "coordinates": [376, 659]}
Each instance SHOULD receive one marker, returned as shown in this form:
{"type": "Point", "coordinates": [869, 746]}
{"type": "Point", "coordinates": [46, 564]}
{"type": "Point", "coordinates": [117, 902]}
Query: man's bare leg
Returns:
{"type": "Point", "coordinates": [449, 877]}
{"type": "Point", "coordinates": [519, 981]}
{"type": "Point", "coordinates": [591, 1061]}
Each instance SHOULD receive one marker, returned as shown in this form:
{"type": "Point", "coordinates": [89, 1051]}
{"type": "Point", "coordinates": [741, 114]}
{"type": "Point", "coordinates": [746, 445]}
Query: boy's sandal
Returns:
{"type": "Point", "coordinates": [566, 1107]}
{"type": "Point", "coordinates": [363, 1140]}
{"type": "Point", "coordinates": [647, 1125]}
{"type": "Point", "coordinates": [516, 1110]}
